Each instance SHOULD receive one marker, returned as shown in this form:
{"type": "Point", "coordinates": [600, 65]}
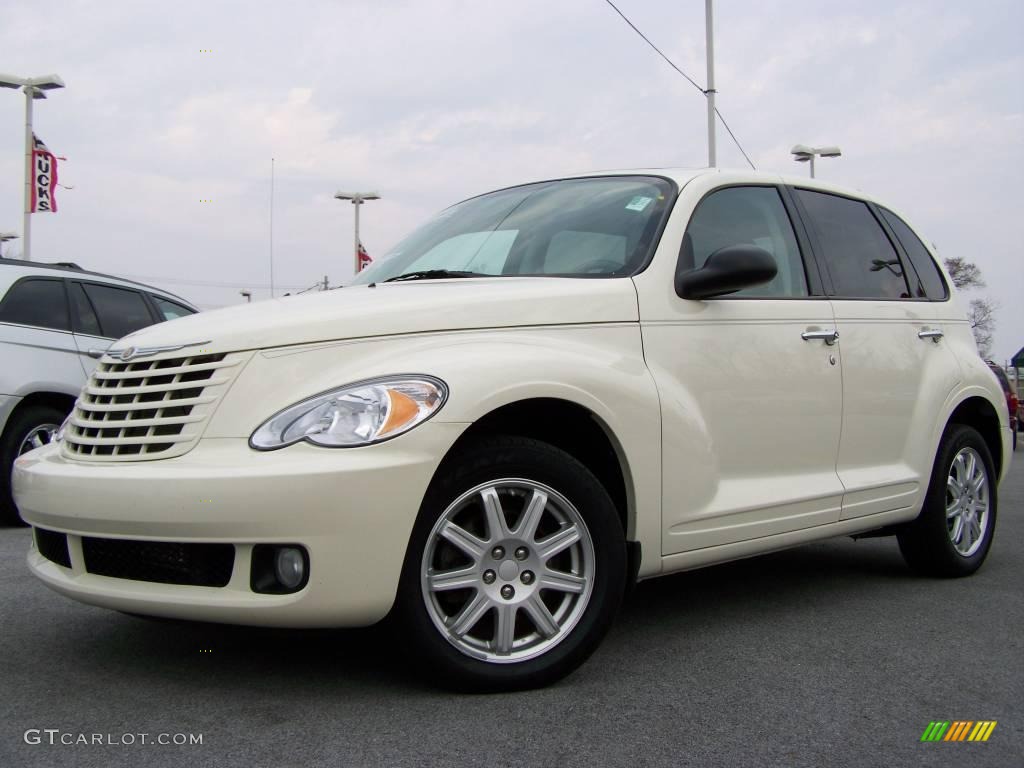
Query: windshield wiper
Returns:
{"type": "Point", "coordinates": [433, 274]}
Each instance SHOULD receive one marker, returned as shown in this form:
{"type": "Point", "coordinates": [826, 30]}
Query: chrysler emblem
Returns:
{"type": "Point", "coordinates": [130, 353]}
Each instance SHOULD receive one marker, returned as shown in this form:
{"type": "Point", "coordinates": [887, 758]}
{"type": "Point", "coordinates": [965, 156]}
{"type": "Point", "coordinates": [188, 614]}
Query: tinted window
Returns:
{"type": "Point", "coordinates": [861, 260]}
{"type": "Point", "coordinates": [120, 311]}
{"type": "Point", "coordinates": [85, 320]}
{"type": "Point", "coordinates": [748, 216]}
{"type": "Point", "coordinates": [934, 287]}
{"type": "Point", "coordinates": [41, 303]}
{"type": "Point", "coordinates": [169, 310]}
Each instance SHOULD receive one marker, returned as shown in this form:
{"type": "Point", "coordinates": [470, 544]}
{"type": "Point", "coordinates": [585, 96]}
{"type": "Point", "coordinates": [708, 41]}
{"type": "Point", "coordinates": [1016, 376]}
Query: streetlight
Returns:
{"type": "Point", "coordinates": [4, 237]}
{"type": "Point", "coordinates": [34, 88]}
{"type": "Point", "coordinates": [357, 199]}
{"type": "Point", "coordinates": [805, 154]}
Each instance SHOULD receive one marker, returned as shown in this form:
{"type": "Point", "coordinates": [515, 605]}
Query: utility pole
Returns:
{"type": "Point", "coordinates": [710, 92]}
{"type": "Point", "coordinates": [271, 227]}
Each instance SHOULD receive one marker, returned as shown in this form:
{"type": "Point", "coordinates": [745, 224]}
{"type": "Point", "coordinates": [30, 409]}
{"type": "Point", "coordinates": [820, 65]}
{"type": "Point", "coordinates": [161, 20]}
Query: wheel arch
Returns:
{"type": "Point", "coordinates": [59, 400]}
{"type": "Point", "coordinates": [573, 428]}
{"type": "Point", "coordinates": [978, 412]}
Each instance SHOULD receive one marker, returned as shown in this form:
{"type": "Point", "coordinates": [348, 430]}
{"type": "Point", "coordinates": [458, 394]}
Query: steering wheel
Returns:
{"type": "Point", "coordinates": [598, 265]}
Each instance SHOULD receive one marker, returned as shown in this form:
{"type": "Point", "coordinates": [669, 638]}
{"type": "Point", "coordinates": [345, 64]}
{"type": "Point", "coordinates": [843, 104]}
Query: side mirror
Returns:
{"type": "Point", "coordinates": [727, 270]}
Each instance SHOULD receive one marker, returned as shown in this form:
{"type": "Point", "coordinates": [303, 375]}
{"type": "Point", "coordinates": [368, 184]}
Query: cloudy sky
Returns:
{"type": "Point", "coordinates": [429, 101]}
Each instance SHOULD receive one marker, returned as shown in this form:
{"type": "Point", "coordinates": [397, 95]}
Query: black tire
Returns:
{"type": "Point", "coordinates": [926, 543]}
{"type": "Point", "coordinates": [488, 460]}
{"type": "Point", "coordinates": [17, 430]}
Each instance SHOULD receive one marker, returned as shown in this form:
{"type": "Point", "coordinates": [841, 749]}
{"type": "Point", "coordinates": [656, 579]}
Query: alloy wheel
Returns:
{"type": "Point", "coordinates": [38, 437]}
{"type": "Point", "coordinates": [508, 570]}
{"type": "Point", "coordinates": [967, 501]}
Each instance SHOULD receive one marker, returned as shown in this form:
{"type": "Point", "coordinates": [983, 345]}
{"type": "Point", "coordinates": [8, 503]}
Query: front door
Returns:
{"type": "Point", "coordinates": [750, 387]}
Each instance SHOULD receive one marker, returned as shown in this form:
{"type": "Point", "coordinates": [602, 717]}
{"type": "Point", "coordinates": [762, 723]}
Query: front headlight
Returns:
{"type": "Point", "coordinates": [357, 414]}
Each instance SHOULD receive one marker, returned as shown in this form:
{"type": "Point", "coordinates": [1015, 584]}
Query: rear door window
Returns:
{"type": "Point", "coordinates": [862, 262]}
{"type": "Point", "coordinates": [40, 302]}
{"type": "Point", "coordinates": [120, 310]}
{"type": "Point", "coordinates": [82, 314]}
{"type": "Point", "coordinates": [932, 284]}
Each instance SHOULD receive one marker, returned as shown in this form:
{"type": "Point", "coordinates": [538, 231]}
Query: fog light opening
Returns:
{"type": "Point", "coordinates": [290, 567]}
{"type": "Point", "coordinates": [279, 569]}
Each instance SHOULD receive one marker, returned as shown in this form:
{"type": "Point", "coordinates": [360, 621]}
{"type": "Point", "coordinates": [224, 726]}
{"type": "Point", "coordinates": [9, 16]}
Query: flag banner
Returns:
{"type": "Point", "coordinates": [364, 257]}
{"type": "Point", "coordinates": [44, 178]}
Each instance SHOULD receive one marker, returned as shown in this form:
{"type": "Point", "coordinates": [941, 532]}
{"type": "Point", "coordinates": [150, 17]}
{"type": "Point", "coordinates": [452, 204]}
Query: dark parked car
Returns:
{"type": "Point", "coordinates": [1011, 398]}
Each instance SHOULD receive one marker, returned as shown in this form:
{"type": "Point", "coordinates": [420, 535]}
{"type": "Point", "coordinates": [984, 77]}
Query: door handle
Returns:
{"type": "Point", "coordinates": [830, 337]}
{"type": "Point", "coordinates": [97, 353]}
{"type": "Point", "coordinates": [930, 333]}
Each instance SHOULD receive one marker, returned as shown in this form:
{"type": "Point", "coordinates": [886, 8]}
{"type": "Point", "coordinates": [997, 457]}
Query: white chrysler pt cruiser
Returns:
{"type": "Point", "coordinates": [542, 395]}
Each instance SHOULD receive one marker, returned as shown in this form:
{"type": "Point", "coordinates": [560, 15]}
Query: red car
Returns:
{"type": "Point", "coordinates": [1011, 398]}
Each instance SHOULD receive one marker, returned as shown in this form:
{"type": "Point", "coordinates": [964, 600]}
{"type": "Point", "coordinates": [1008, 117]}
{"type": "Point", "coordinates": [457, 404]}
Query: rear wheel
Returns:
{"type": "Point", "coordinates": [952, 535]}
{"type": "Point", "coordinates": [515, 569]}
{"type": "Point", "coordinates": [29, 428]}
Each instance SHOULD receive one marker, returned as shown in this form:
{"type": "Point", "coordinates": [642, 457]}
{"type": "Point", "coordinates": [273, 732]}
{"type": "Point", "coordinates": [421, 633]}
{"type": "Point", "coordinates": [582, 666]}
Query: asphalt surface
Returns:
{"type": "Point", "coordinates": [830, 654]}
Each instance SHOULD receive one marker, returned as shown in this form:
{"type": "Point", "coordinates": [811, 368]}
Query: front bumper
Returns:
{"type": "Point", "coordinates": [353, 510]}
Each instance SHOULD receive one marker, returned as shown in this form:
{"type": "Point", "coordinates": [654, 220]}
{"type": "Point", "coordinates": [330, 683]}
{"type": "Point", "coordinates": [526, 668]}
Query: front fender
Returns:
{"type": "Point", "coordinates": [598, 367]}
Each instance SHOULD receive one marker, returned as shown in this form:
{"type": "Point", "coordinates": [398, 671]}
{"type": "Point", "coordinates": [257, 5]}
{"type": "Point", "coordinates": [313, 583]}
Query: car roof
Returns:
{"type": "Point", "coordinates": [739, 175]}
{"type": "Point", "coordinates": [70, 269]}
{"type": "Point", "coordinates": [682, 176]}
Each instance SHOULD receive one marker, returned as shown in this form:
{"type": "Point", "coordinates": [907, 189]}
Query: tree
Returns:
{"type": "Point", "coordinates": [983, 324]}
{"type": "Point", "coordinates": [982, 312]}
{"type": "Point", "coordinates": [965, 274]}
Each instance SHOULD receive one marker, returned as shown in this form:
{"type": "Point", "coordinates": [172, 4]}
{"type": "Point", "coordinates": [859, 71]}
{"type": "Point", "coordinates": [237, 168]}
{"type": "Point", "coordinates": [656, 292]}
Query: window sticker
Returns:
{"type": "Point", "coordinates": [638, 203]}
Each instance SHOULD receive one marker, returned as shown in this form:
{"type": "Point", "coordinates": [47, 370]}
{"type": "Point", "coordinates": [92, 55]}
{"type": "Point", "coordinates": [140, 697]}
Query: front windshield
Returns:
{"type": "Point", "coordinates": [593, 227]}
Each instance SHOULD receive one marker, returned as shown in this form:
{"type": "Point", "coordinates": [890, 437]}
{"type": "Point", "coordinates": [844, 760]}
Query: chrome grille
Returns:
{"type": "Point", "coordinates": [146, 409]}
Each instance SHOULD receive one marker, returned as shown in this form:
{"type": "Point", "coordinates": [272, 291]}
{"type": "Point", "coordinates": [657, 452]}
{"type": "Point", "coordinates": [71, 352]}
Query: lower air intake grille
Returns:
{"type": "Point", "coordinates": [53, 546]}
{"type": "Point", "coordinates": [163, 562]}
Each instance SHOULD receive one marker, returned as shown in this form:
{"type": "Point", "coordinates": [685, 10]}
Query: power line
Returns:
{"type": "Point", "coordinates": [740, 146]}
{"type": "Point", "coordinates": [690, 79]}
{"type": "Point", "coordinates": [658, 50]}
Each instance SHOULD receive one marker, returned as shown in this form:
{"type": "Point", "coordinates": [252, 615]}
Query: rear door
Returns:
{"type": "Point", "coordinates": [896, 370]}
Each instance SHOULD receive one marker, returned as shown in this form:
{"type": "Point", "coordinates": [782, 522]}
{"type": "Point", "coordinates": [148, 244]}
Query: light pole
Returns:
{"type": "Point", "coordinates": [709, 39]}
{"type": "Point", "coordinates": [357, 199]}
{"type": "Point", "coordinates": [34, 88]}
{"type": "Point", "coordinates": [5, 237]}
{"type": "Point", "coordinates": [805, 154]}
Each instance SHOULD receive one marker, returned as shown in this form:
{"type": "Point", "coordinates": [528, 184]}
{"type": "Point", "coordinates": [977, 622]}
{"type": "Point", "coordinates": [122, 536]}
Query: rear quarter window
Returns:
{"type": "Point", "coordinates": [932, 284]}
{"type": "Point", "coordinates": [120, 310]}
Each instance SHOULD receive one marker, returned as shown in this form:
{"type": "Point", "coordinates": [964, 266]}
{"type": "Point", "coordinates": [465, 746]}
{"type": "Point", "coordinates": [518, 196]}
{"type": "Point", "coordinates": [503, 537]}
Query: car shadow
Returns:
{"type": "Point", "coordinates": [375, 660]}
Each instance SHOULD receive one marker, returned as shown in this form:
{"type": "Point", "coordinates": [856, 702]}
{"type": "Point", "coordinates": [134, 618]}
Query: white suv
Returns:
{"type": "Point", "coordinates": [543, 394]}
{"type": "Point", "coordinates": [56, 320]}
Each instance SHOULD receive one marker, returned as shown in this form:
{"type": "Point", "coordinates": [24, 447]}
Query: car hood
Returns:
{"type": "Point", "coordinates": [394, 308]}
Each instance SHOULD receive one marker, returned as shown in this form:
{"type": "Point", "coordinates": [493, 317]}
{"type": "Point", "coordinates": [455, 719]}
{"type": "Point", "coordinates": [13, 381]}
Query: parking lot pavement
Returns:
{"type": "Point", "coordinates": [830, 654]}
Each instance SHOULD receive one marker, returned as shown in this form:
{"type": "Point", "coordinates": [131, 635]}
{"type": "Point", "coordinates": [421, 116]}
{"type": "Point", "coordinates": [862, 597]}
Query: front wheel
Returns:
{"type": "Point", "coordinates": [952, 535]}
{"type": "Point", "coordinates": [515, 569]}
{"type": "Point", "coordinates": [29, 428]}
